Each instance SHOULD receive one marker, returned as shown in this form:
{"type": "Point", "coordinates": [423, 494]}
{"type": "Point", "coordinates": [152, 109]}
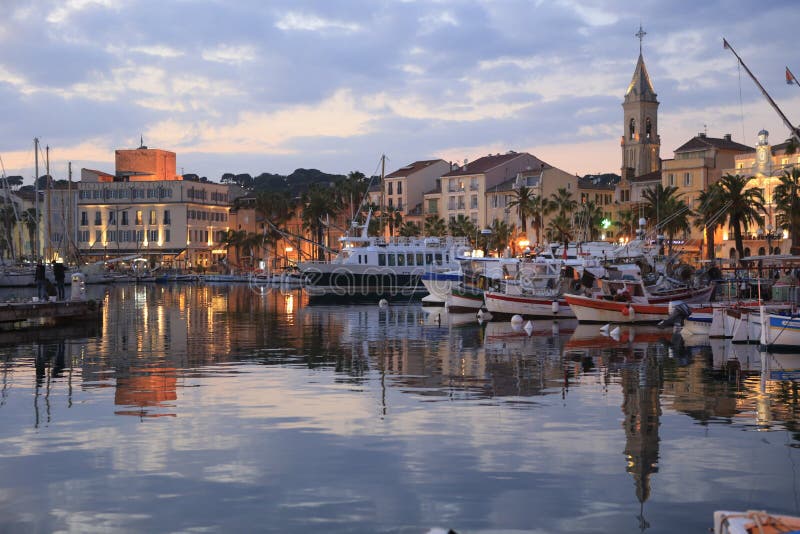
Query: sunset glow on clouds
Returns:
{"type": "Point", "coordinates": [270, 87]}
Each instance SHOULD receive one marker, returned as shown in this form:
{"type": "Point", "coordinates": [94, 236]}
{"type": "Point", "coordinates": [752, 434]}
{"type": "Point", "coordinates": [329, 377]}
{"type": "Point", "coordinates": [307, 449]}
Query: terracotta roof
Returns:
{"type": "Point", "coordinates": [486, 163]}
{"type": "Point", "coordinates": [654, 176]}
{"type": "Point", "coordinates": [700, 142]}
{"type": "Point", "coordinates": [412, 168]}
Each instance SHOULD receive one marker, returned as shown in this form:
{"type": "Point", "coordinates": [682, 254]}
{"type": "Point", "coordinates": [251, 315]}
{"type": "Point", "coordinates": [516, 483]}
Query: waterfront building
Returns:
{"type": "Point", "coordinates": [404, 188]}
{"type": "Point", "coordinates": [146, 209]}
{"type": "Point", "coordinates": [601, 190]}
{"type": "Point", "coordinates": [462, 191]}
{"type": "Point", "coordinates": [543, 182]}
{"type": "Point", "coordinates": [764, 165]}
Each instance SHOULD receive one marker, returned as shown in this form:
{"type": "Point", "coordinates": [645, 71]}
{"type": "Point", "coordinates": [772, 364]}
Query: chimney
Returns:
{"type": "Point", "coordinates": [727, 137]}
{"type": "Point", "coordinates": [701, 135]}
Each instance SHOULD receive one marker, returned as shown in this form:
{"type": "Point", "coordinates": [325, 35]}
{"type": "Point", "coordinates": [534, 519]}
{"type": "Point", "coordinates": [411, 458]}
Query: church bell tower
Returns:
{"type": "Point", "coordinates": [640, 140]}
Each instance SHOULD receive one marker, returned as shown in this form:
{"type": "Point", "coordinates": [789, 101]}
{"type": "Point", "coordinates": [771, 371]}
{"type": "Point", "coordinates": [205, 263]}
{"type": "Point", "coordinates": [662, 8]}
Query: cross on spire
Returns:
{"type": "Point", "coordinates": [640, 34]}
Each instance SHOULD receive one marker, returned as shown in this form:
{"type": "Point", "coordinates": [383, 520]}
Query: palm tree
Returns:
{"type": "Point", "coordinates": [523, 201]}
{"type": "Point", "coordinates": [670, 213]}
{"type": "Point", "coordinates": [8, 220]}
{"type": "Point", "coordinates": [558, 229]}
{"type": "Point", "coordinates": [624, 222]}
{"type": "Point", "coordinates": [710, 216]}
{"type": "Point", "coordinates": [394, 218]}
{"type": "Point", "coordinates": [435, 226]}
{"type": "Point", "coordinates": [501, 235]}
{"type": "Point", "coordinates": [235, 239]}
{"type": "Point", "coordinates": [538, 211]}
{"type": "Point", "coordinates": [275, 207]}
{"type": "Point", "coordinates": [462, 226]}
{"type": "Point", "coordinates": [588, 220]}
{"type": "Point", "coordinates": [745, 206]}
{"type": "Point", "coordinates": [351, 190]}
{"type": "Point", "coordinates": [561, 202]}
{"type": "Point", "coordinates": [31, 219]}
{"type": "Point", "coordinates": [319, 204]}
{"type": "Point", "coordinates": [787, 199]}
{"type": "Point", "coordinates": [409, 229]}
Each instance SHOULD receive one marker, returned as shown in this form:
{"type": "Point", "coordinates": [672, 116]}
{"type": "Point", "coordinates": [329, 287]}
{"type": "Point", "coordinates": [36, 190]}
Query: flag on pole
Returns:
{"type": "Point", "coordinates": [790, 77]}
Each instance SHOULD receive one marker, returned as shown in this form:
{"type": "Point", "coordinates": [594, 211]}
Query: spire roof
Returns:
{"type": "Point", "coordinates": [640, 87]}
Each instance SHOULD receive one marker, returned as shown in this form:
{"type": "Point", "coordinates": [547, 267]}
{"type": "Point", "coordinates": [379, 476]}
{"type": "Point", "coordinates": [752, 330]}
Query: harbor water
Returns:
{"type": "Point", "coordinates": [224, 408]}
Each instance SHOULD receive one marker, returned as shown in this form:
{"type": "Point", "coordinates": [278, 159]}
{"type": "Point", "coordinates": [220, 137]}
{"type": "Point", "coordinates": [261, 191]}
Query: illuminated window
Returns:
{"type": "Point", "coordinates": [153, 218]}
{"type": "Point", "coordinates": [139, 217]}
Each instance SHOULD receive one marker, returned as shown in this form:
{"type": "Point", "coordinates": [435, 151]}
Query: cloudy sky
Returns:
{"type": "Point", "coordinates": [269, 86]}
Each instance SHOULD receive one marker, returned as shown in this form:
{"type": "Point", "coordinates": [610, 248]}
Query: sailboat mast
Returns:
{"type": "Point", "coordinates": [36, 251]}
{"type": "Point", "coordinates": [68, 232]}
{"type": "Point", "coordinates": [783, 117]}
{"type": "Point", "coordinates": [48, 241]}
{"type": "Point", "coordinates": [383, 194]}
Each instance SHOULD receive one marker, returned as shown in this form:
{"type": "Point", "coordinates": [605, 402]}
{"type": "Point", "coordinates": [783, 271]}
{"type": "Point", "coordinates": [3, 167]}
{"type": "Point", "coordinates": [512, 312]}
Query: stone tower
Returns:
{"type": "Point", "coordinates": [640, 140]}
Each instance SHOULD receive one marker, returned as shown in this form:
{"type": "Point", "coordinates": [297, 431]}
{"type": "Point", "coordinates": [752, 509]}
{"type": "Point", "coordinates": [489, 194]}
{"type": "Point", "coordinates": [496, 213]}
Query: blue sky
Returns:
{"type": "Point", "coordinates": [255, 86]}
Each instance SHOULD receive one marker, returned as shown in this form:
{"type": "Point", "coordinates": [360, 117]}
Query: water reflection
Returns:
{"type": "Point", "coordinates": [398, 418]}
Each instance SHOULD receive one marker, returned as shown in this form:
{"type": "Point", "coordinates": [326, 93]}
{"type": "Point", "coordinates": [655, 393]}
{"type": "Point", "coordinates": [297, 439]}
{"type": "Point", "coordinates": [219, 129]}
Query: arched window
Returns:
{"type": "Point", "coordinates": [776, 251]}
{"type": "Point", "coordinates": [762, 251]}
{"type": "Point", "coordinates": [732, 253]}
{"type": "Point", "coordinates": [648, 129]}
{"type": "Point", "coordinates": [746, 252]}
{"type": "Point", "coordinates": [632, 128]}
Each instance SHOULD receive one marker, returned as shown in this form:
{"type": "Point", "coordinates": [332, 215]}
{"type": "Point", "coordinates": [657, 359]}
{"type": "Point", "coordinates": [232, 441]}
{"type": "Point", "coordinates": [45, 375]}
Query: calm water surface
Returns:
{"type": "Point", "coordinates": [213, 408]}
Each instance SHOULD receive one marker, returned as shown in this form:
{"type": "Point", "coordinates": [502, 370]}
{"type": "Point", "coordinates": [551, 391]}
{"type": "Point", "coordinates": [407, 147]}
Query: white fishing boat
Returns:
{"type": "Point", "coordinates": [479, 274]}
{"type": "Point", "coordinates": [780, 332]}
{"type": "Point", "coordinates": [439, 285]}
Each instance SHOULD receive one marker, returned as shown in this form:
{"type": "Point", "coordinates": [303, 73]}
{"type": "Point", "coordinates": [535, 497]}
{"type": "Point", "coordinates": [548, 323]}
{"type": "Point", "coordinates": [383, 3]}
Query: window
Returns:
{"type": "Point", "coordinates": [389, 188]}
{"type": "Point", "coordinates": [399, 188]}
{"type": "Point", "coordinates": [632, 129]}
{"type": "Point", "coordinates": [84, 220]}
{"type": "Point", "coordinates": [112, 217]}
{"type": "Point", "coordinates": [166, 217]}
{"type": "Point", "coordinates": [391, 204]}
{"type": "Point", "coordinates": [648, 129]}
{"type": "Point", "coordinates": [473, 202]}
{"type": "Point", "coordinates": [433, 205]}
{"type": "Point", "coordinates": [167, 235]}
{"type": "Point", "coordinates": [153, 237]}
{"type": "Point", "coordinates": [97, 219]}
{"type": "Point", "coordinates": [451, 203]}
{"type": "Point", "coordinates": [687, 179]}
{"type": "Point", "coordinates": [381, 258]}
{"type": "Point", "coordinates": [473, 183]}
{"type": "Point", "coordinates": [409, 259]}
{"type": "Point", "coordinates": [401, 260]}
{"type": "Point", "coordinates": [124, 218]}
{"type": "Point", "coordinates": [391, 260]}
{"type": "Point", "coordinates": [153, 218]}
{"type": "Point", "coordinates": [461, 203]}
{"type": "Point", "coordinates": [671, 179]}
{"type": "Point", "coordinates": [97, 236]}
{"type": "Point", "coordinates": [139, 217]}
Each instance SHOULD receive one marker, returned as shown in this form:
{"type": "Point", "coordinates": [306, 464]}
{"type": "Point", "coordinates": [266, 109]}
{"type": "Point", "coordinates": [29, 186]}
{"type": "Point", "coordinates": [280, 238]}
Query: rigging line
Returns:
{"type": "Point", "coordinates": [741, 105]}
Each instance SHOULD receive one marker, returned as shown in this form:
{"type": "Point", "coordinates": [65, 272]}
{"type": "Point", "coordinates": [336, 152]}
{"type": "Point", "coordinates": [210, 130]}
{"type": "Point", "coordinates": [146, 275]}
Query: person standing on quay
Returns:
{"type": "Point", "coordinates": [59, 273]}
{"type": "Point", "coordinates": [39, 278]}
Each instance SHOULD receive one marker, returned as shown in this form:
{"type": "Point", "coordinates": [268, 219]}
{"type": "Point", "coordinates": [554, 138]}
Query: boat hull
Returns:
{"type": "Point", "coordinates": [502, 305]}
{"type": "Point", "coordinates": [592, 310]}
{"type": "Point", "coordinates": [462, 300]}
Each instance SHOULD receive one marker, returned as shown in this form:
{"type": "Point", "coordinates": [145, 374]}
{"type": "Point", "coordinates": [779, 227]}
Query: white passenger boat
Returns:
{"type": "Point", "coordinates": [374, 267]}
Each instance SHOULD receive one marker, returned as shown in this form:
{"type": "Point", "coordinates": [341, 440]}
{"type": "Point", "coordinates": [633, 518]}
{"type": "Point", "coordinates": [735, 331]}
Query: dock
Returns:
{"type": "Point", "coordinates": [49, 311]}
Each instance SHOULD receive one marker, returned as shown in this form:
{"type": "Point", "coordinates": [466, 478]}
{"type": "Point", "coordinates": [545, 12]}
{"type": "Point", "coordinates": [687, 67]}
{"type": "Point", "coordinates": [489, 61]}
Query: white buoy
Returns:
{"type": "Point", "coordinates": [516, 319]}
{"type": "Point", "coordinates": [383, 303]}
{"type": "Point", "coordinates": [604, 328]}
{"type": "Point", "coordinates": [529, 328]}
{"type": "Point", "coordinates": [554, 306]}
{"type": "Point", "coordinates": [615, 333]}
